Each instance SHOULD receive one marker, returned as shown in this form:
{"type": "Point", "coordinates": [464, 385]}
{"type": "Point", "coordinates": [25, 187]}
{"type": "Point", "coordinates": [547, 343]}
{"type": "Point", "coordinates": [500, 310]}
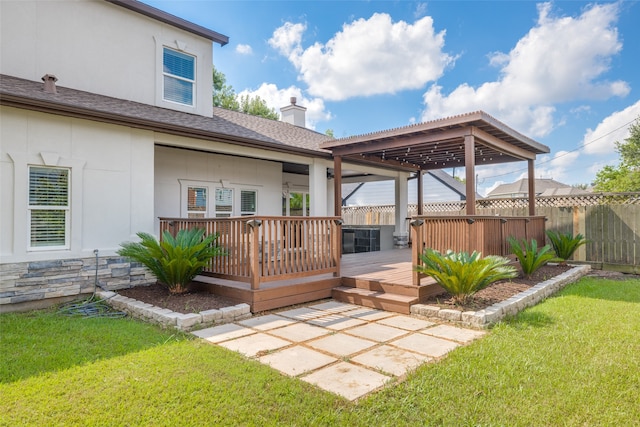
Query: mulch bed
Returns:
{"type": "Point", "coordinates": [196, 301]}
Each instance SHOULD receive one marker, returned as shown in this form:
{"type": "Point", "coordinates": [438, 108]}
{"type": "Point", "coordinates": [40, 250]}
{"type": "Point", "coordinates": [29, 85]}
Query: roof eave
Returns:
{"type": "Point", "coordinates": [173, 20]}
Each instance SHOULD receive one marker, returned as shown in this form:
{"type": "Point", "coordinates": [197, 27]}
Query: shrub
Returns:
{"type": "Point", "coordinates": [176, 260]}
{"type": "Point", "coordinates": [530, 257]}
{"type": "Point", "coordinates": [564, 244]}
{"type": "Point", "coordinates": [461, 274]}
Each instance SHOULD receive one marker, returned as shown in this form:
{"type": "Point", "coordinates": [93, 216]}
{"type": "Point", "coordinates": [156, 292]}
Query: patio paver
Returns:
{"type": "Point", "coordinates": [342, 348]}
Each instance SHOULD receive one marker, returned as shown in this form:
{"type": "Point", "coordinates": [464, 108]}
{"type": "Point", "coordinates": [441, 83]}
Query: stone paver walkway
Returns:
{"type": "Point", "coordinates": [342, 348]}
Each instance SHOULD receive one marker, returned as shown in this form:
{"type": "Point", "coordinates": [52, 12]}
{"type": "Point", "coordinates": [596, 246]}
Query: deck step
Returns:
{"type": "Point", "coordinates": [375, 299]}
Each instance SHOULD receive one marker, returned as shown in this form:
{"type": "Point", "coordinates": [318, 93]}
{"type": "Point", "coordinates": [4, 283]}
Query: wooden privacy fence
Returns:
{"type": "Point", "coordinates": [486, 234]}
{"type": "Point", "coordinates": [609, 221]}
{"type": "Point", "coordinates": [264, 248]}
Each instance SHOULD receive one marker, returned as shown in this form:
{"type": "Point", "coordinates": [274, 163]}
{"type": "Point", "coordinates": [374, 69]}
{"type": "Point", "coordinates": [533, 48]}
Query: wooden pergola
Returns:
{"type": "Point", "coordinates": [467, 140]}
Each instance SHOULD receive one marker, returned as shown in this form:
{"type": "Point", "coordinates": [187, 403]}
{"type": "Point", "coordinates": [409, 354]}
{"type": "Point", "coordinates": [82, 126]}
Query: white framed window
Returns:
{"type": "Point", "coordinates": [179, 77]}
{"type": "Point", "coordinates": [224, 202]}
{"type": "Point", "coordinates": [197, 202]}
{"type": "Point", "coordinates": [49, 207]}
{"type": "Point", "coordinates": [248, 202]}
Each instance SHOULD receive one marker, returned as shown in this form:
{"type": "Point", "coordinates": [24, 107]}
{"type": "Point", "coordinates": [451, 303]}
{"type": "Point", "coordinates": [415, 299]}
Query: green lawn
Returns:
{"type": "Point", "coordinates": [571, 360]}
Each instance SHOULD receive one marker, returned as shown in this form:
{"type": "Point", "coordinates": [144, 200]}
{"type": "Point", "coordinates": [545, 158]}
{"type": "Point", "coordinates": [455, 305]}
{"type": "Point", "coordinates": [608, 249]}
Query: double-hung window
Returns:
{"type": "Point", "coordinates": [179, 73]}
{"type": "Point", "coordinates": [48, 209]}
{"type": "Point", "coordinates": [248, 202]}
{"type": "Point", "coordinates": [197, 202]}
{"type": "Point", "coordinates": [224, 202]}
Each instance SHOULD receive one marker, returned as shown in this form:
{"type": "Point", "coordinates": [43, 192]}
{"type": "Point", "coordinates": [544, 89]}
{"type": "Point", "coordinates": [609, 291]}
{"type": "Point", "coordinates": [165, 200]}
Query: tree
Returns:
{"type": "Point", "coordinates": [257, 107]}
{"type": "Point", "coordinates": [329, 132]}
{"type": "Point", "coordinates": [625, 177]}
{"type": "Point", "coordinates": [224, 96]}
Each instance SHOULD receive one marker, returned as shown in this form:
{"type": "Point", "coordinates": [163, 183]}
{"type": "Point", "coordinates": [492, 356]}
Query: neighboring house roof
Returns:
{"type": "Point", "coordinates": [451, 182]}
{"type": "Point", "coordinates": [570, 191]}
{"type": "Point", "coordinates": [225, 125]}
{"type": "Point", "coordinates": [521, 186]}
{"type": "Point", "coordinates": [173, 20]}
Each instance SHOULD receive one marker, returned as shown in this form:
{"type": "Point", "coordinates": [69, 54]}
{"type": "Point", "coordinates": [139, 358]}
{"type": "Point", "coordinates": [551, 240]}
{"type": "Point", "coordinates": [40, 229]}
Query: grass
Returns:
{"type": "Point", "coordinates": [571, 360]}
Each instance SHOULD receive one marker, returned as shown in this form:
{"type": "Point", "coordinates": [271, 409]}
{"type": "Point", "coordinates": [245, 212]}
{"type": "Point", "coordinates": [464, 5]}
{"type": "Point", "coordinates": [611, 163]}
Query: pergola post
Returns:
{"type": "Point", "coordinates": [470, 172]}
{"type": "Point", "coordinates": [337, 186]}
{"type": "Point", "coordinates": [532, 187]}
{"type": "Point", "coordinates": [420, 194]}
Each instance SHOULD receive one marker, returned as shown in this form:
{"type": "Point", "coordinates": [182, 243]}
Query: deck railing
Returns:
{"type": "Point", "coordinates": [486, 234]}
{"type": "Point", "coordinates": [267, 248]}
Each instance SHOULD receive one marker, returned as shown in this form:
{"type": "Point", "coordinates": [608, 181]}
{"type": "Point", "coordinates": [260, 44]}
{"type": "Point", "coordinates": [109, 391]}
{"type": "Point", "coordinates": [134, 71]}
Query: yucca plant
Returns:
{"type": "Point", "coordinates": [565, 244]}
{"type": "Point", "coordinates": [176, 260]}
{"type": "Point", "coordinates": [531, 257]}
{"type": "Point", "coordinates": [461, 274]}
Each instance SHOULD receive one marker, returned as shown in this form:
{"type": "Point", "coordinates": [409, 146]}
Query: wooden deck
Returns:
{"type": "Point", "coordinates": [375, 279]}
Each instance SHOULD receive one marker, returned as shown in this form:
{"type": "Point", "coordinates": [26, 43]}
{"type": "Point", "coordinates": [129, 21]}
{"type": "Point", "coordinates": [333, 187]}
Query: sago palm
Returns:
{"type": "Point", "coordinates": [531, 257]}
{"type": "Point", "coordinates": [176, 260]}
{"type": "Point", "coordinates": [564, 244]}
{"type": "Point", "coordinates": [461, 274]}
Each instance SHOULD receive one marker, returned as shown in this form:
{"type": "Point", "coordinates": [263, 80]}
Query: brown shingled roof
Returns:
{"type": "Point", "coordinates": [225, 125]}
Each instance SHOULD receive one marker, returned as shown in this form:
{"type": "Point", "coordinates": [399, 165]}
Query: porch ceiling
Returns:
{"type": "Point", "coordinates": [439, 144]}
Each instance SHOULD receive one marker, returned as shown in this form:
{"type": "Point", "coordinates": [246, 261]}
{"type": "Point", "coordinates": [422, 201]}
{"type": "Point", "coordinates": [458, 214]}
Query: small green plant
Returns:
{"type": "Point", "coordinates": [565, 244]}
{"type": "Point", "coordinates": [461, 274]}
{"type": "Point", "coordinates": [530, 257]}
{"type": "Point", "coordinates": [176, 260]}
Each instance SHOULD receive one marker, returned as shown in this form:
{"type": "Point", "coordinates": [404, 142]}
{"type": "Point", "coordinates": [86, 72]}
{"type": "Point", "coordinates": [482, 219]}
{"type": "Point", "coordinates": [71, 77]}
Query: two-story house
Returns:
{"type": "Point", "coordinates": [107, 124]}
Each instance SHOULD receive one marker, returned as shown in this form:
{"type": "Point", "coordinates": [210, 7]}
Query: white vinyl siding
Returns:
{"type": "Point", "coordinates": [48, 208]}
{"type": "Point", "coordinates": [179, 77]}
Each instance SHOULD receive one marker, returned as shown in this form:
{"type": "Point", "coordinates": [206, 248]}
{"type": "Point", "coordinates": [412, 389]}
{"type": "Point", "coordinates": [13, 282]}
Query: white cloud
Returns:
{"type": "Point", "coordinates": [368, 57]}
{"type": "Point", "coordinates": [614, 128]}
{"type": "Point", "coordinates": [244, 49]}
{"type": "Point", "coordinates": [557, 167]}
{"type": "Point", "coordinates": [560, 59]}
{"type": "Point", "coordinates": [278, 98]}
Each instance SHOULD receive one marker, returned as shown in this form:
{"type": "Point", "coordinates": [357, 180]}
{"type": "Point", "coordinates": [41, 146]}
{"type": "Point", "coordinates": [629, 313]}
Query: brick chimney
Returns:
{"type": "Point", "coordinates": [50, 83]}
{"type": "Point", "coordinates": [294, 114]}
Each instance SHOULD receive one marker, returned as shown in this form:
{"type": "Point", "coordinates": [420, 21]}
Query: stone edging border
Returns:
{"type": "Point", "coordinates": [509, 307]}
{"type": "Point", "coordinates": [167, 318]}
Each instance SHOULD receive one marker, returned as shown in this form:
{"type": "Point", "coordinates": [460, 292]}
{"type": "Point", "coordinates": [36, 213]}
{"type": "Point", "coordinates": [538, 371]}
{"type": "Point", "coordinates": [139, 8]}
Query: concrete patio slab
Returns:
{"type": "Point", "coordinates": [377, 332]}
{"type": "Point", "coordinates": [334, 306]}
{"type": "Point", "coordinates": [336, 322]}
{"type": "Point", "coordinates": [347, 380]}
{"type": "Point", "coordinates": [255, 344]}
{"type": "Point", "coordinates": [454, 333]}
{"type": "Point", "coordinates": [406, 322]}
{"type": "Point", "coordinates": [368, 313]}
{"type": "Point", "coordinates": [266, 322]}
{"type": "Point", "coordinates": [225, 332]}
{"type": "Point", "coordinates": [342, 345]}
{"type": "Point", "coordinates": [302, 313]}
{"type": "Point", "coordinates": [299, 332]}
{"type": "Point", "coordinates": [296, 360]}
{"type": "Point", "coordinates": [425, 344]}
{"type": "Point", "coordinates": [392, 360]}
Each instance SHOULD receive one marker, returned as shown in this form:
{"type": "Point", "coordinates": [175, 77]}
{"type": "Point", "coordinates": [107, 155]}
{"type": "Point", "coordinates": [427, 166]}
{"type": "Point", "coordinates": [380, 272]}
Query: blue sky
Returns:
{"type": "Point", "coordinates": [566, 73]}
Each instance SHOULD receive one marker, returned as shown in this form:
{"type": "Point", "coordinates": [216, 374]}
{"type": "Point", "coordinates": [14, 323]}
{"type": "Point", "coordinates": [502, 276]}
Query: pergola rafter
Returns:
{"type": "Point", "coordinates": [468, 140]}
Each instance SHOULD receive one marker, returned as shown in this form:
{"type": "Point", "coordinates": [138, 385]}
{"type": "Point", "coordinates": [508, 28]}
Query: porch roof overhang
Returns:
{"type": "Point", "coordinates": [439, 144]}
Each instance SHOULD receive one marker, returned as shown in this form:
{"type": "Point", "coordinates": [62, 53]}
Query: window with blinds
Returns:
{"type": "Point", "coordinates": [48, 208]}
{"type": "Point", "coordinates": [179, 73]}
{"type": "Point", "coordinates": [224, 202]}
{"type": "Point", "coordinates": [196, 202]}
{"type": "Point", "coordinates": [248, 202]}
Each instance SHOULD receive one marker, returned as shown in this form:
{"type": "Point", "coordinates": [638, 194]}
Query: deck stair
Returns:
{"type": "Point", "coordinates": [384, 295]}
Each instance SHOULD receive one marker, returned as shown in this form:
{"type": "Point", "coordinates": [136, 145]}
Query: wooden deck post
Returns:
{"type": "Point", "coordinates": [420, 194]}
{"type": "Point", "coordinates": [254, 261]}
{"type": "Point", "coordinates": [416, 248]}
{"type": "Point", "coordinates": [336, 243]}
{"type": "Point", "coordinates": [470, 173]}
{"type": "Point", "coordinates": [532, 187]}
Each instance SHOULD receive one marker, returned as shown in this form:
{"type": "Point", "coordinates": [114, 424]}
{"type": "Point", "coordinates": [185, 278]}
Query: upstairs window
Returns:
{"type": "Point", "coordinates": [48, 208]}
{"type": "Point", "coordinates": [179, 76]}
